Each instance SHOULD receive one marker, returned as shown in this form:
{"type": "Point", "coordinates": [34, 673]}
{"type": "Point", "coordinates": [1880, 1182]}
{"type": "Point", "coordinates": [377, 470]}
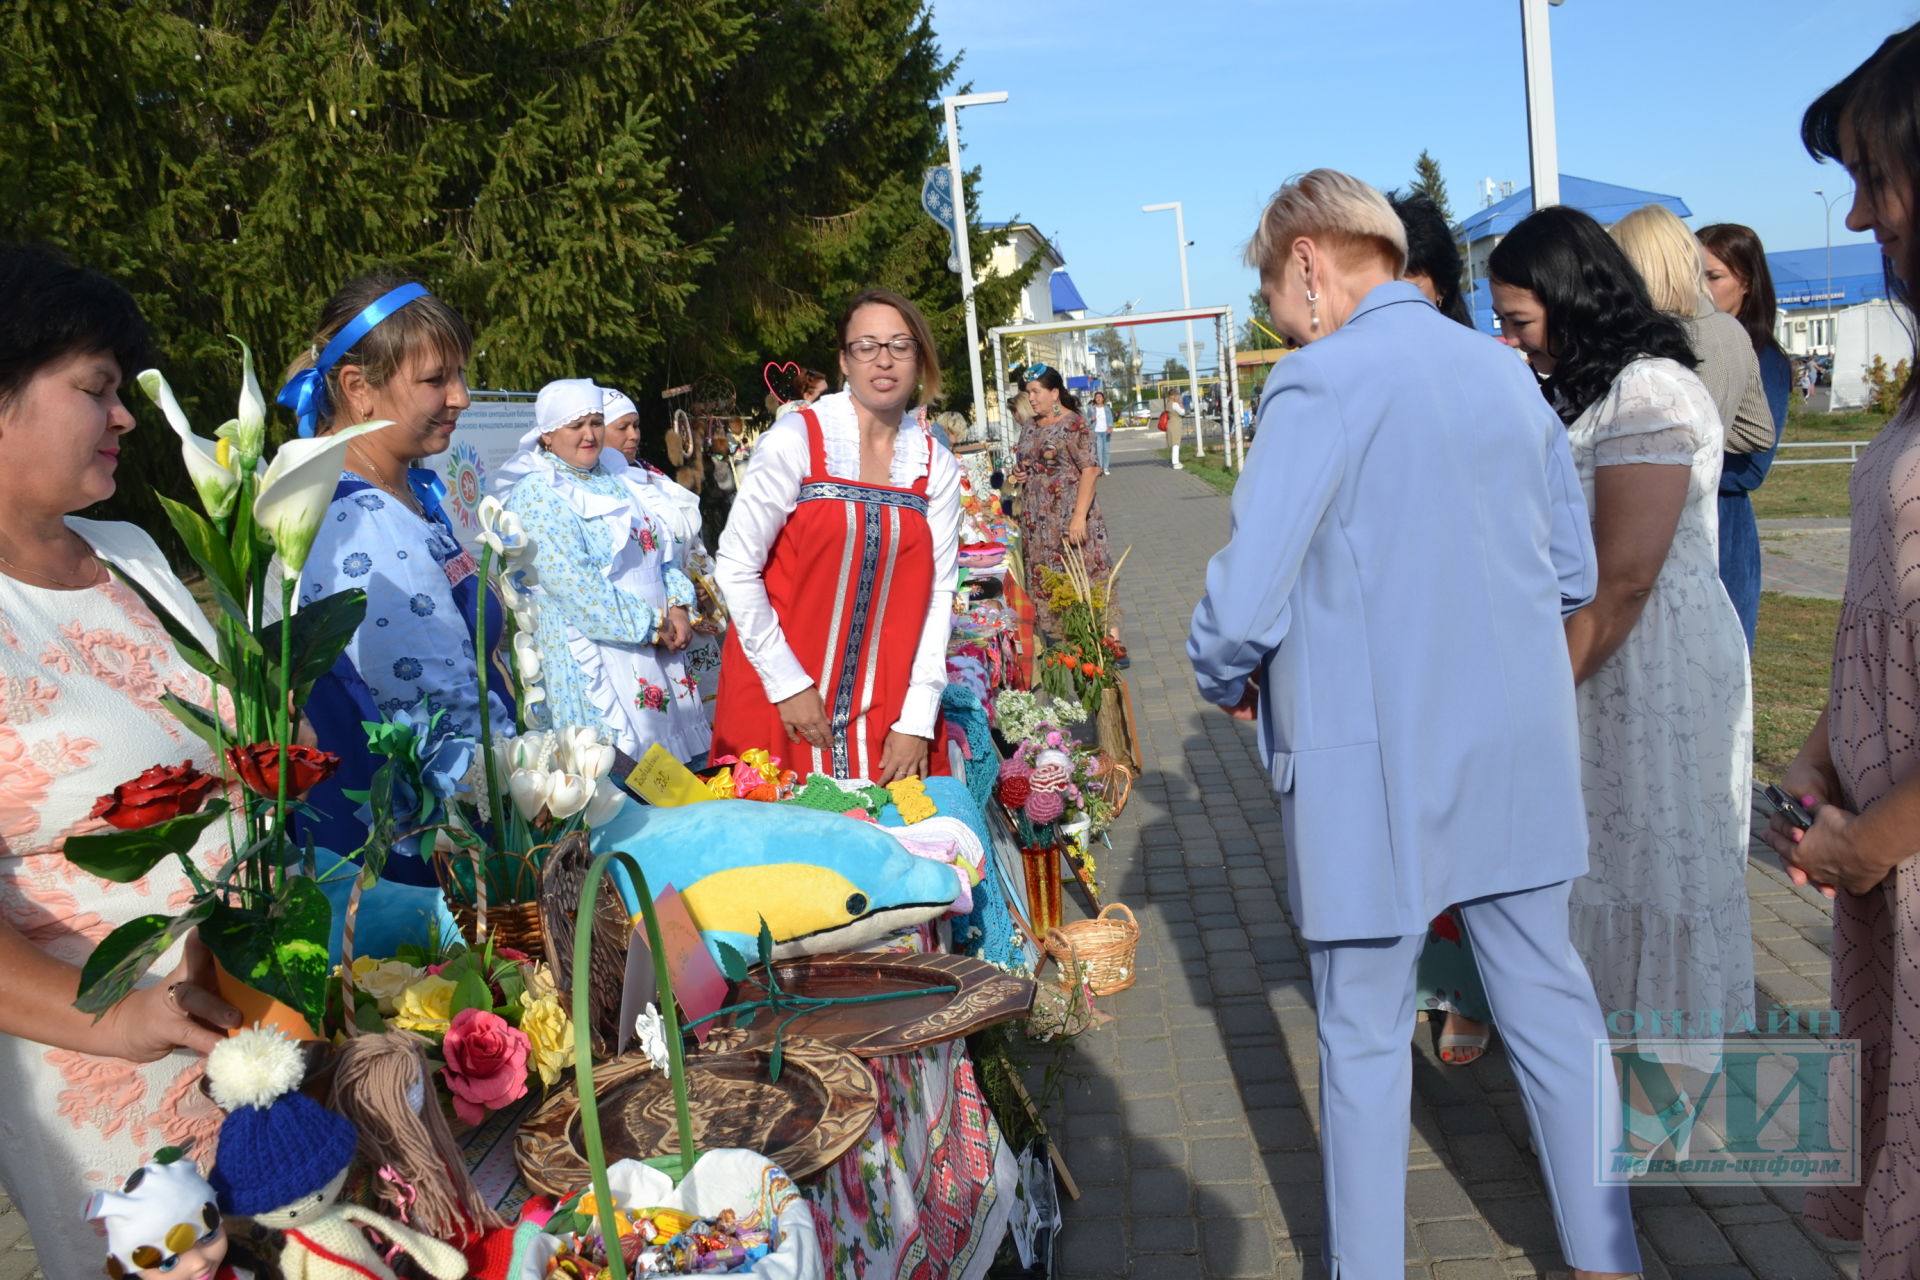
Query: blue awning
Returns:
{"type": "Point", "coordinates": [1605, 201]}
{"type": "Point", "coordinates": [1065, 296]}
{"type": "Point", "coordinates": [1800, 276]}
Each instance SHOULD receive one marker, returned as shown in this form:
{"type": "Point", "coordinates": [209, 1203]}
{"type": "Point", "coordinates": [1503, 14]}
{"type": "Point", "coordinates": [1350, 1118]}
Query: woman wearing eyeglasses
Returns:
{"type": "Point", "coordinates": [838, 563]}
{"type": "Point", "coordinates": [1057, 469]}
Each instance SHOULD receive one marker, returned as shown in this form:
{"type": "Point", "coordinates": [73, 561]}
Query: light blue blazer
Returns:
{"type": "Point", "coordinates": [1407, 537]}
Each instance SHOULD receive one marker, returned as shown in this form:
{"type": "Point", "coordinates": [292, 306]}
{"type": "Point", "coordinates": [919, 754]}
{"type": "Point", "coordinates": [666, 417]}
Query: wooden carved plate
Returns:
{"type": "Point", "coordinates": [823, 1102]}
{"type": "Point", "coordinates": [986, 996]}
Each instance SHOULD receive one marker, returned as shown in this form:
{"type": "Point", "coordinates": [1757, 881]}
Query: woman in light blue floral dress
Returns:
{"type": "Point", "coordinates": [388, 350]}
{"type": "Point", "coordinates": [613, 618]}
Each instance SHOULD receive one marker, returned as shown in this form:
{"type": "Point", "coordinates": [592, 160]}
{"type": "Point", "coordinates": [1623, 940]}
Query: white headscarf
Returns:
{"type": "Point", "coordinates": [618, 404]}
{"type": "Point", "coordinates": [559, 403]}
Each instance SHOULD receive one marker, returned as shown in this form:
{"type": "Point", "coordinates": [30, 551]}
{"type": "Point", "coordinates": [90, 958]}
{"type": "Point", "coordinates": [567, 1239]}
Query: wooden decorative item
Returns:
{"type": "Point", "coordinates": [824, 1101]}
{"type": "Point", "coordinates": [987, 995]}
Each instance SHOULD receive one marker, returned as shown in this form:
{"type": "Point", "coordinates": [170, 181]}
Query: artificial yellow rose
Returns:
{"type": "Point", "coordinates": [550, 1031]}
{"type": "Point", "coordinates": [426, 1006]}
{"type": "Point", "coordinates": [540, 983]}
{"type": "Point", "coordinates": [384, 980]}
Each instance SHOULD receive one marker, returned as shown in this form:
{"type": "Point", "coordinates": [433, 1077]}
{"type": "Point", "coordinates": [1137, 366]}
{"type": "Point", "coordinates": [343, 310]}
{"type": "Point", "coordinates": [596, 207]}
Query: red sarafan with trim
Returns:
{"type": "Point", "coordinates": [849, 577]}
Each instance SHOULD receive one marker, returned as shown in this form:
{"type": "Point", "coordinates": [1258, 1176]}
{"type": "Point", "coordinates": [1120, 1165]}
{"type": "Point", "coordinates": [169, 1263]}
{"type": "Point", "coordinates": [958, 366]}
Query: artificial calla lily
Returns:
{"type": "Point", "coordinates": [533, 751]}
{"type": "Point", "coordinates": [606, 802]}
{"type": "Point", "coordinates": [297, 487]}
{"type": "Point", "coordinates": [250, 426]}
{"type": "Point", "coordinates": [217, 482]}
{"type": "Point", "coordinates": [569, 795]}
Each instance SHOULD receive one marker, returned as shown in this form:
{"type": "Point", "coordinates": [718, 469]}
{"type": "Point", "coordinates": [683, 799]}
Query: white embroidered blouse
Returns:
{"type": "Point", "coordinates": [768, 494]}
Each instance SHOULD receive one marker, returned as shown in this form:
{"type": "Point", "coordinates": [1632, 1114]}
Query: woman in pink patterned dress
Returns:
{"type": "Point", "coordinates": [83, 666]}
{"type": "Point", "coordinates": [1860, 768]}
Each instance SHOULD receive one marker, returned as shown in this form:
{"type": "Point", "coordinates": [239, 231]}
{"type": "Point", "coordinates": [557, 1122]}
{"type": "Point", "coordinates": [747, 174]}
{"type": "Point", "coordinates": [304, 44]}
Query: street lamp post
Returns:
{"type": "Point", "coordinates": [952, 107]}
{"type": "Point", "coordinates": [1536, 47]}
{"type": "Point", "coordinates": [1830, 203]}
{"type": "Point", "coordinates": [1186, 301]}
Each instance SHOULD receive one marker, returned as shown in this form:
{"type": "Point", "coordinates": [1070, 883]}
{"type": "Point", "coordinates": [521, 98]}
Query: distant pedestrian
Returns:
{"type": "Point", "coordinates": [1057, 473]}
{"type": "Point", "coordinates": [1860, 767]}
{"type": "Point", "coordinates": [1173, 420]}
{"type": "Point", "coordinates": [1412, 461]}
{"type": "Point", "coordinates": [1741, 286]}
{"type": "Point", "coordinates": [1100, 421]}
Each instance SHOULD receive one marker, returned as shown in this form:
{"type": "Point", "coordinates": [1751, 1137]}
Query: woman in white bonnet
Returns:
{"type": "Point", "coordinates": [614, 612]}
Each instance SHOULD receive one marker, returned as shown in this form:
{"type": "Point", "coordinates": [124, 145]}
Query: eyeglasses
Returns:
{"type": "Point", "coordinates": [866, 350]}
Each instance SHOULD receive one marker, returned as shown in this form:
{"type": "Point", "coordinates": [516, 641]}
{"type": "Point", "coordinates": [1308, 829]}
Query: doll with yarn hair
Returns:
{"type": "Point", "coordinates": [381, 1083]}
{"type": "Point", "coordinates": [282, 1161]}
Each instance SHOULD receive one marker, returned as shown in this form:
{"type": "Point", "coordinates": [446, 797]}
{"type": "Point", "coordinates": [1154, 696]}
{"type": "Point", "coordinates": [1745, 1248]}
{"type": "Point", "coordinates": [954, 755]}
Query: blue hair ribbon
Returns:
{"type": "Point", "coordinates": [306, 391]}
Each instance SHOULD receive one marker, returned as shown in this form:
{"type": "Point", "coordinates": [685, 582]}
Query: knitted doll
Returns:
{"type": "Point", "coordinates": [381, 1084]}
{"type": "Point", "coordinates": [283, 1159]}
{"type": "Point", "coordinates": [164, 1225]}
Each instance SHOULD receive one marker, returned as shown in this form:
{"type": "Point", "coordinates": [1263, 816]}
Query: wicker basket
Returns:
{"type": "Point", "coordinates": [509, 924]}
{"type": "Point", "coordinates": [1104, 947]}
{"type": "Point", "coordinates": [1059, 1009]}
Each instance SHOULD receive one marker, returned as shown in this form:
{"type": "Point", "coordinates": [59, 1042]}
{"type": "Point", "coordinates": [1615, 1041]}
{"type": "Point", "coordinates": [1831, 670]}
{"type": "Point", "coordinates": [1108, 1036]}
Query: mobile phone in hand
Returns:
{"type": "Point", "coordinates": [1787, 807]}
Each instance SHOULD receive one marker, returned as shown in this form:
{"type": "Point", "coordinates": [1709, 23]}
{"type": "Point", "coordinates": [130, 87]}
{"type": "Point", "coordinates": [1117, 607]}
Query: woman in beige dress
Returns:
{"type": "Point", "coordinates": [1859, 770]}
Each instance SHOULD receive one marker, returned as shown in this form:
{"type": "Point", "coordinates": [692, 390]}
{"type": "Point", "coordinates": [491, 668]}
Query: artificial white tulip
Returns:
{"type": "Point", "coordinates": [569, 795]}
{"type": "Point", "coordinates": [533, 750]}
{"type": "Point", "coordinates": [216, 480]}
{"type": "Point", "coordinates": [250, 426]}
{"type": "Point", "coordinates": [607, 801]}
{"type": "Point", "coordinates": [530, 789]}
{"type": "Point", "coordinates": [297, 488]}
{"type": "Point", "coordinates": [582, 752]}
{"type": "Point", "coordinates": [526, 656]}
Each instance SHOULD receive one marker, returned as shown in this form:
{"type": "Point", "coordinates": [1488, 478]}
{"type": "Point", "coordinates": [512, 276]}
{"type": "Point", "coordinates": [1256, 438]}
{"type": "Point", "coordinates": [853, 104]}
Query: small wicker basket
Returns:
{"type": "Point", "coordinates": [1104, 947]}
{"type": "Point", "coordinates": [1060, 1009]}
{"type": "Point", "coordinates": [509, 924]}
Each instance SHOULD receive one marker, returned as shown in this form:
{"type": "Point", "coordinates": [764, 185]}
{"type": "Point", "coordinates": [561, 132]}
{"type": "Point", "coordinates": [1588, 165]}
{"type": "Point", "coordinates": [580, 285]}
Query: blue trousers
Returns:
{"type": "Point", "coordinates": [1103, 448]}
{"type": "Point", "coordinates": [1550, 1021]}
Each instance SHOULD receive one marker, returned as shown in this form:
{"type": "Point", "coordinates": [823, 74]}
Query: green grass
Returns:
{"type": "Point", "coordinates": [1212, 468]}
{"type": "Point", "coordinates": [1817, 491]}
{"type": "Point", "coordinates": [1792, 657]}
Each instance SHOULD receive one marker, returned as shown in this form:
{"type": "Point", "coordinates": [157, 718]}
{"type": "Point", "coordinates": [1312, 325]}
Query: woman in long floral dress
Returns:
{"type": "Point", "coordinates": [1058, 472]}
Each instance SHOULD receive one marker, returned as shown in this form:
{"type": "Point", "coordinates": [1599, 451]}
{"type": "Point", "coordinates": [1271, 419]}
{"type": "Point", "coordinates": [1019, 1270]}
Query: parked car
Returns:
{"type": "Point", "coordinates": [1137, 414]}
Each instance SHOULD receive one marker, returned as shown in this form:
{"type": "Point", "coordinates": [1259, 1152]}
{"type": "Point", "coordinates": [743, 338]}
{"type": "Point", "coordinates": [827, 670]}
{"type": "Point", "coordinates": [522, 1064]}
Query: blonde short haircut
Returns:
{"type": "Point", "coordinates": [1667, 257]}
{"type": "Point", "coordinates": [1336, 210]}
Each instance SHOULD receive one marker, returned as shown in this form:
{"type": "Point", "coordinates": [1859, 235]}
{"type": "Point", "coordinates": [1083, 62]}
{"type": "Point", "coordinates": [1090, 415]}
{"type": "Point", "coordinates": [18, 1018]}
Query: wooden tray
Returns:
{"type": "Point", "coordinates": [823, 1102]}
{"type": "Point", "coordinates": [987, 995]}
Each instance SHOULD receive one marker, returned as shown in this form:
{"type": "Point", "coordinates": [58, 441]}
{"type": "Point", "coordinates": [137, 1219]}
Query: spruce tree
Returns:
{"type": "Point", "coordinates": [1428, 182]}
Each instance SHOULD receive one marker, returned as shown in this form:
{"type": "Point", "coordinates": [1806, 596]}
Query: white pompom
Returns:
{"type": "Point", "coordinates": [254, 1068]}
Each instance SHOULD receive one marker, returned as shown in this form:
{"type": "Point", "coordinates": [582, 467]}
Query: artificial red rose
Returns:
{"type": "Point", "coordinates": [161, 793]}
{"type": "Point", "coordinates": [259, 767]}
{"type": "Point", "coordinates": [1444, 926]}
{"type": "Point", "coordinates": [1014, 792]}
{"type": "Point", "coordinates": [486, 1063]}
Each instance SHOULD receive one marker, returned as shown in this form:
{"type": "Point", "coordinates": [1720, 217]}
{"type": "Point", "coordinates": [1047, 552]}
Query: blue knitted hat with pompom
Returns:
{"type": "Point", "coordinates": [277, 1145]}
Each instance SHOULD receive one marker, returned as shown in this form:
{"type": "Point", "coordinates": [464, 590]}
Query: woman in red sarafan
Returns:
{"type": "Point", "coordinates": [838, 566]}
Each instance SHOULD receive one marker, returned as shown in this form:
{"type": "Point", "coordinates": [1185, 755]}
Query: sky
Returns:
{"type": "Point", "coordinates": [1119, 103]}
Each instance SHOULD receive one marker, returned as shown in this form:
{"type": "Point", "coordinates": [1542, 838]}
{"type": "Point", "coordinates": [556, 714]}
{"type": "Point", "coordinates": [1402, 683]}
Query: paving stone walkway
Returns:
{"type": "Point", "coordinates": [1805, 557]}
{"type": "Point", "coordinates": [1193, 1128]}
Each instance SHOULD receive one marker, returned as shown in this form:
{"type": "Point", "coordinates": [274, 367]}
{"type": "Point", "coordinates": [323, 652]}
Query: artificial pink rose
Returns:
{"type": "Point", "coordinates": [486, 1063]}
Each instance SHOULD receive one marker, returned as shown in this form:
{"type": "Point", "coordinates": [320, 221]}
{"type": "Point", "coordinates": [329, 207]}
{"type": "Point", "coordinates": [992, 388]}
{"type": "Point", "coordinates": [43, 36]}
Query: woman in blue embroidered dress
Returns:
{"type": "Point", "coordinates": [386, 349]}
{"type": "Point", "coordinates": [614, 611]}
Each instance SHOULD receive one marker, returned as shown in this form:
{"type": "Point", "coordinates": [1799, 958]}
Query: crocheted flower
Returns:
{"type": "Point", "coordinates": [1046, 806]}
{"type": "Point", "coordinates": [486, 1063]}
{"type": "Point", "coordinates": [1014, 791]}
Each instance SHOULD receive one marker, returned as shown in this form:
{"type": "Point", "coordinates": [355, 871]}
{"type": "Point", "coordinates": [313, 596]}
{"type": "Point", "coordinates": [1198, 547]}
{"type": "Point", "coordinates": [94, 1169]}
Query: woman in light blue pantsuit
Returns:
{"type": "Point", "coordinates": [1406, 538]}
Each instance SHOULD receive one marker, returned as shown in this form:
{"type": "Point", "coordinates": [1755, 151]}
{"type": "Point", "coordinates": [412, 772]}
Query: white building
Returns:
{"type": "Point", "coordinates": [1049, 295]}
{"type": "Point", "coordinates": [1836, 305]}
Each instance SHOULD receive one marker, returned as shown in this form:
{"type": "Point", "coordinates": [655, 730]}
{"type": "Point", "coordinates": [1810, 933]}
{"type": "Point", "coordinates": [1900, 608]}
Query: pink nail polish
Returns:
{"type": "Point", "coordinates": [1807, 802]}
{"type": "Point", "coordinates": [1797, 835]}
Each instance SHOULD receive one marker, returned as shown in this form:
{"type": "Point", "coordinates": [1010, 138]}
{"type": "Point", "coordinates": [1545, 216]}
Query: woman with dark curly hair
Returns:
{"type": "Point", "coordinates": [1859, 770]}
{"type": "Point", "coordinates": [1058, 470]}
{"type": "Point", "coordinates": [1658, 657]}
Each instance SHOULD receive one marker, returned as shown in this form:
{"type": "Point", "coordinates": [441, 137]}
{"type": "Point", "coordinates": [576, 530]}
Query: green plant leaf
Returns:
{"type": "Point", "coordinates": [366, 1014]}
{"type": "Point", "coordinates": [766, 943]}
{"type": "Point", "coordinates": [125, 856]}
{"type": "Point", "coordinates": [773, 1061]}
{"type": "Point", "coordinates": [209, 551]}
{"type": "Point", "coordinates": [198, 721]}
{"type": "Point", "coordinates": [281, 951]}
{"type": "Point", "coordinates": [128, 952]}
{"type": "Point", "coordinates": [191, 650]}
{"type": "Point", "coordinates": [321, 631]}
{"type": "Point", "coordinates": [470, 992]}
{"type": "Point", "coordinates": [732, 963]}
